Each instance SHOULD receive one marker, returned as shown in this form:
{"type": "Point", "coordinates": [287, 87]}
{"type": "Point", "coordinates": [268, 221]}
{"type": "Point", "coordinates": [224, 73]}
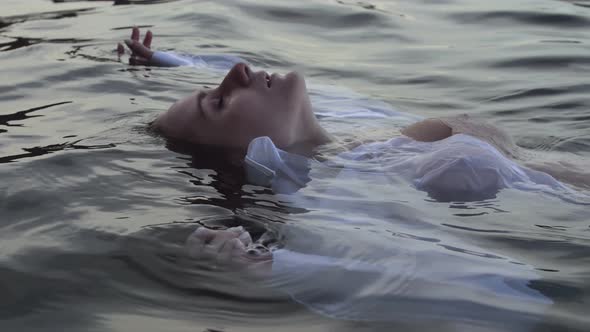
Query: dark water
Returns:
{"type": "Point", "coordinates": [94, 208]}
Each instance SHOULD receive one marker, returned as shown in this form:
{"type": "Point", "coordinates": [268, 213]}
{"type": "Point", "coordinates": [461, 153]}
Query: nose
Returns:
{"type": "Point", "coordinates": [237, 77]}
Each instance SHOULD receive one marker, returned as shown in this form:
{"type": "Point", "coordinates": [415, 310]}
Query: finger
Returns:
{"type": "Point", "coordinates": [137, 48]}
{"type": "Point", "coordinates": [147, 41]}
{"type": "Point", "coordinates": [245, 238]}
{"type": "Point", "coordinates": [203, 234]}
{"type": "Point", "coordinates": [135, 34]}
{"type": "Point", "coordinates": [130, 45]}
{"type": "Point", "coordinates": [227, 251]}
{"type": "Point", "coordinates": [219, 241]}
{"type": "Point", "coordinates": [197, 241]}
{"type": "Point", "coordinates": [234, 252]}
{"type": "Point", "coordinates": [120, 49]}
{"type": "Point", "coordinates": [238, 230]}
{"type": "Point", "coordinates": [243, 235]}
{"type": "Point", "coordinates": [133, 45]}
{"type": "Point", "coordinates": [239, 247]}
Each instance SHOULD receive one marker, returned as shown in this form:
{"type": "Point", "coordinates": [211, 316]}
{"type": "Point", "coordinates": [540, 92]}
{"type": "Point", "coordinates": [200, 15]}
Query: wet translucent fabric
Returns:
{"type": "Point", "coordinates": [418, 282]}
{"type": "Point", "coordinates": [460, 167]}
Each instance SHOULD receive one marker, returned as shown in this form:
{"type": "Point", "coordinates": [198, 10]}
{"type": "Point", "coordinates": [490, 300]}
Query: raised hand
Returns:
{"type": "Point", "coordinates": [141, 54]}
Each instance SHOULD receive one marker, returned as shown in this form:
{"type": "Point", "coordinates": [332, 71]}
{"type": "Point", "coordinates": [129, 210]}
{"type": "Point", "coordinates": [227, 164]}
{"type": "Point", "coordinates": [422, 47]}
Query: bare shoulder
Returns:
{"type": "Point", "coordinates": [435, 129]}
{"type": "Point", "coordinates": [429, 130]}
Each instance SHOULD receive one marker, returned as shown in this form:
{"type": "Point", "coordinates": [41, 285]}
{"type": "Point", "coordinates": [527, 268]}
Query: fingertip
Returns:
{"type": "Point", "coordinates": [238, 244]}
{"type": "Point", "coordinates": [147, 41]}
{"type": "Point", "coordinates": [203, 232]}
{"type": "Point", "coordinates": [236, 229]}
{"type": "Point", "coordinates": [230, 248]}
{"type": "Point", "coordinates": [135, 33]}
{"type": "Point", "coordinates": [245, 238]}
{"type": "Point", "coordinates": [120, 49]}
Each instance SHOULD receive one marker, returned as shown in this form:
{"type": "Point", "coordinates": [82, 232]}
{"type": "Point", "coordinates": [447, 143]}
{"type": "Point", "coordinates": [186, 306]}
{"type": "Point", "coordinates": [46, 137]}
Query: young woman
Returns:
{"type": "Point", "coordinates": [269, 122]}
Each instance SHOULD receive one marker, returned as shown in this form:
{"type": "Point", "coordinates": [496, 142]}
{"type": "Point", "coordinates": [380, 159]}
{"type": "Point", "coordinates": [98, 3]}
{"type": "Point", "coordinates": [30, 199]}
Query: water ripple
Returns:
{"type": "Point", "coordinates": [319, 18]}
{"type": "Point", "coordinates": [94, 209]}
{"type": "Point", "coordinates": [543, 62]}
{"type": "Point", "coordinates": [5, 119]}
{"type": "Point", "coordinates": [495, 18]}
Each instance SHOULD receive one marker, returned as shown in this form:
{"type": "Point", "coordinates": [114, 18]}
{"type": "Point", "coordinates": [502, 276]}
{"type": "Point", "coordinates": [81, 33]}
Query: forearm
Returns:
{"type": "Point", "coordinates": [565, 172]}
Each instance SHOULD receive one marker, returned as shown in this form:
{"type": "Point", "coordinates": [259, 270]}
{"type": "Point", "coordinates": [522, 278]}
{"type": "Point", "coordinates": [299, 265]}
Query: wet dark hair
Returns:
{"type": "Point", "coordinates": [218, 158]}
{"type": "Point", "coordinates": [227, 162]}
{"type": "Point", "coordinates": [229, 176]}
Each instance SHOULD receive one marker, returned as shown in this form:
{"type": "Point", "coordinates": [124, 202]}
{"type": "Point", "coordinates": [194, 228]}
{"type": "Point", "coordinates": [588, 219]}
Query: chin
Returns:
{"type": "Point", "coordinates": [296, 78]}
{"type": "Point", "coordinates": [296, 85]}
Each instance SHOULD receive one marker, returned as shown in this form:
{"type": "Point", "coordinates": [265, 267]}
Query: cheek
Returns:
{"type": "Point", "coordinates": [252, 115]}
{"type": "Point", "coordinates": [250, 120]}
{"type": "Point", "coordinates": [250, 108]}
{"type": "Point", "coordinates": [246, 123]}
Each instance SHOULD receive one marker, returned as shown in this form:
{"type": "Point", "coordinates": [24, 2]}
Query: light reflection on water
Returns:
{"type": "Point", "coordinates": [94, 208]}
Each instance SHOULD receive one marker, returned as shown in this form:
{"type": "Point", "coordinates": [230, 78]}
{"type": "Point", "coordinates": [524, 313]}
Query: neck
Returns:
{"type": "Point", "coordinates": [308, 148]}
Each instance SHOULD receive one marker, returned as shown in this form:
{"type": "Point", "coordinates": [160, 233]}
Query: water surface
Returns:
{"type": "Point", "coordinates": [94, 208]}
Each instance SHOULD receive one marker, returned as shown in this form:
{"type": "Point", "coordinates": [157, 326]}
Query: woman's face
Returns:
{"type": "Point", "coordinates": [244, 106]}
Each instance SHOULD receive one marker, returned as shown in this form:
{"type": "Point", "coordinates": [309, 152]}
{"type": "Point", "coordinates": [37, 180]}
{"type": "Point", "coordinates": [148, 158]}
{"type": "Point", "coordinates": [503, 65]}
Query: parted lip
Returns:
{"type": "Point", "coordinates": [266, 77]}
{"type": "Point", "coordinates": [249, 75]}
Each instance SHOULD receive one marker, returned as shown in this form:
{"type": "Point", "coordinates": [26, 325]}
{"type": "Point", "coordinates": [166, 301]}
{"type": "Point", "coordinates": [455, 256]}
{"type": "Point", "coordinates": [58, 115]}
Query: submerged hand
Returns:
{"type": "Point", "coordinates": [141, 54]}
{"type": "Point", "coordinates": [230, 248]}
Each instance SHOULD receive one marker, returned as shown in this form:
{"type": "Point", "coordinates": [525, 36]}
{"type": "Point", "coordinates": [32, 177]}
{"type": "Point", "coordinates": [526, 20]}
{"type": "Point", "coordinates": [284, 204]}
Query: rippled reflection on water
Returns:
{"type": "Point", "coordinates": [94, 209]}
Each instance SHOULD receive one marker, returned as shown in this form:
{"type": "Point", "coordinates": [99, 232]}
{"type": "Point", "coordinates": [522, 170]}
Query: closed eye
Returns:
{"type": "Point", "coordinates": [220, 103]}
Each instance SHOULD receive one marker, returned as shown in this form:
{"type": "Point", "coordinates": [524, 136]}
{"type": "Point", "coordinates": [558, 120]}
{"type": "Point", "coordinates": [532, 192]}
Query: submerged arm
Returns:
{"type": "Point", "coordinates": [574, 174]}
{"type": "Point", "coordinates": [233, 249]}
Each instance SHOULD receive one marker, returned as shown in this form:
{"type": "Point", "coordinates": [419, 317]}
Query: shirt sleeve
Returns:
{"type": "Point", "coordinates": [215, 62]}
{"type": "Point", "coordinates": [399, 287]}
{"type": "Point", "coordinates": [168, 59]}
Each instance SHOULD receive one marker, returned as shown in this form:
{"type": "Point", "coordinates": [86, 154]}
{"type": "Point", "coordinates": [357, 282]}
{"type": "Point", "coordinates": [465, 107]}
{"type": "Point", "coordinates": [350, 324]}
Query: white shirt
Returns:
{"type": "Point", "coordinates": [407, 274]}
